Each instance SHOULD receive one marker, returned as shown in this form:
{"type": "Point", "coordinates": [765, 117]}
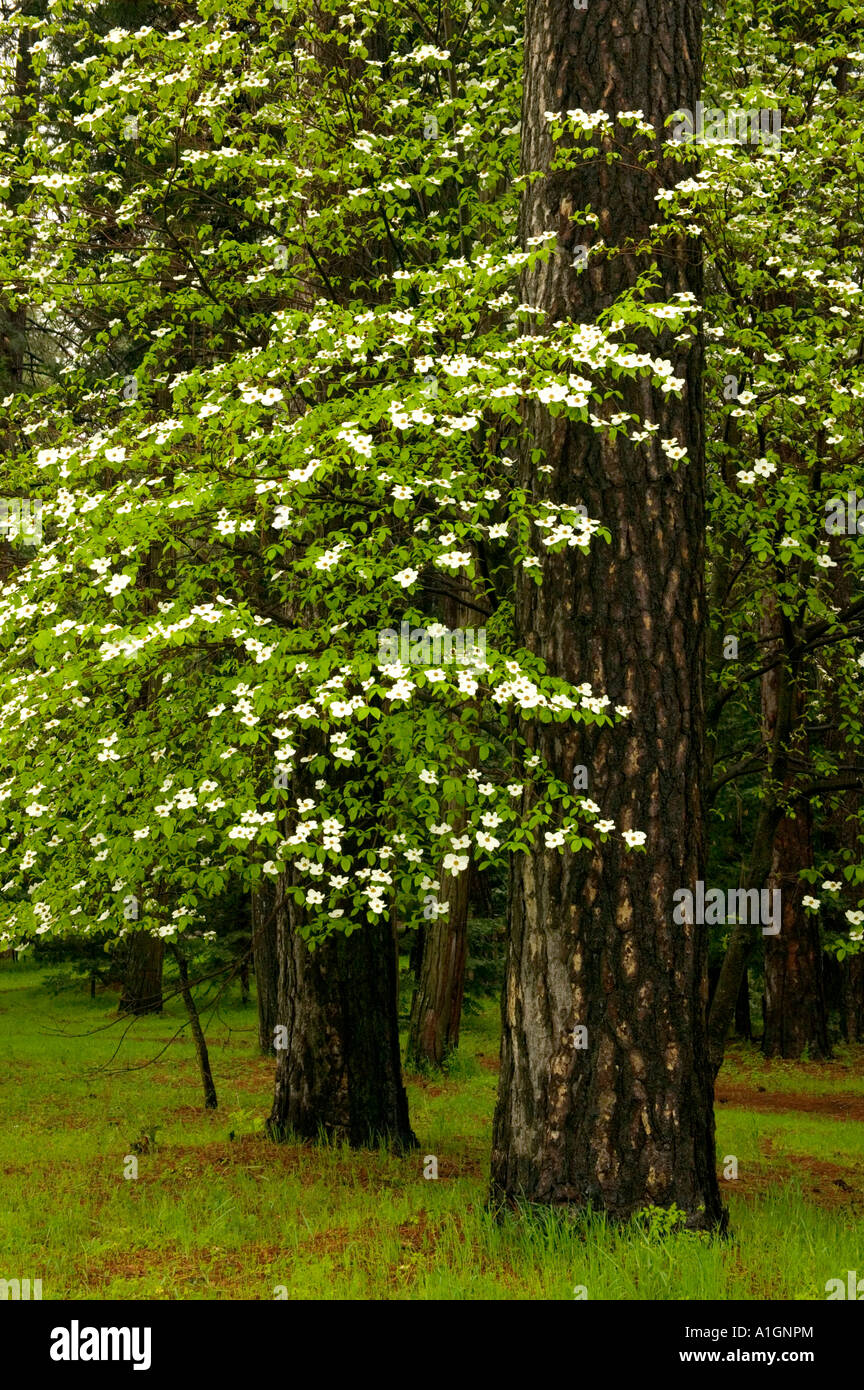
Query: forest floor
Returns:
{"type": "Point", "coordinates": [219, 1212]}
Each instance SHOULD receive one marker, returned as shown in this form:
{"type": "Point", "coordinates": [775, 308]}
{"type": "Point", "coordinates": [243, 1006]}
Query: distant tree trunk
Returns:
{"type": "Point", "coordinates": [436, 1008]}
{"type": "Point", "coordinates": [479, 897]}
{"type": "Point", "coordinates": [795, 1014]}
{"type": "Point", "coordinates": [853, 998]}
{"type": "Point", "coordinates": [840, 835]}
{"type": "Point", "coordinates": [207, 1082]}
{"type": "Point", "coordinates": [415, 958]}
{"type": "Point", "coordinates": [781, 705]}
{"type": "Point", "coordinates": [833, 975]}
{"type": "Point", "coordinates": [266, 962]}
{"type": "Point", "coordinates": [743, 1025]}
{"type": "Point", "coordinates": [339, 1074]}
{"type": "Point", "coordinates": [142, 975]}
{"type": "Point", "coordinates": [625, 1121]}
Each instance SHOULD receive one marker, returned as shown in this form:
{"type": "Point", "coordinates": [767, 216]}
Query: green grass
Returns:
{"type": "Point", "coordinates": [746, 1065]}
{"type": "Point", "coordinates": [211, 1216]}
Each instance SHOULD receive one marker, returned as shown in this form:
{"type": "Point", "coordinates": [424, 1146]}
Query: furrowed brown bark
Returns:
{"type": "Point", "coordinates": [142, 976]}
{"type": "Point", "coordinates": [627, 1121]}
{"type": "Point", "coordinates": [339, 1074]}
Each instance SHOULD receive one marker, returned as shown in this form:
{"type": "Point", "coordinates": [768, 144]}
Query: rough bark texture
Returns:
{"type": "Point", "coordinates": [266, 961]}
{"type": "Point", "coordinates": [339, 1076]}
{"type": "Point", "coordinates": [142, 977]}
{"type": "Point", "coordinates": [627, 1121]}
{"type": "Point", "coordinates": [795, 1013]}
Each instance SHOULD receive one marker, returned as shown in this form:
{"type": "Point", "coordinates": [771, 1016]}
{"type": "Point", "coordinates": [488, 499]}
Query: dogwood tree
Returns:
{"type": "Point", "coordinates": [280, 252]}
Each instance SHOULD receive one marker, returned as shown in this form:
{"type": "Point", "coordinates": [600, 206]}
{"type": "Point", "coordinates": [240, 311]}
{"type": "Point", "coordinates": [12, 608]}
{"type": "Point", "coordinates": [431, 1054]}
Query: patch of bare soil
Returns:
{"type": "Point", "coordinates": [839, 1106]}
{"type": "Point", "coordinates": [231, 1274]}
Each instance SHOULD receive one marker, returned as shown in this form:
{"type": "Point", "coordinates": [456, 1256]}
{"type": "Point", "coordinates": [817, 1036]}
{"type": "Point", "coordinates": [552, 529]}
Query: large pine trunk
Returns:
{"type": "Point", "coordinates": [142, 974]}
{"type": "Point", "coordinates": [795, 1012]}
{"type": "Point", "coordinates": [339, 1076]}
{"type": "Point", "coordinates": [627, 1121]}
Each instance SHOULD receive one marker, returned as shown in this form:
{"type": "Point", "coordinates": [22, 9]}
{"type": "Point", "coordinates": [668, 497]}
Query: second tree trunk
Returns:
{"type": "Point", "coordinates": [338, 1075]}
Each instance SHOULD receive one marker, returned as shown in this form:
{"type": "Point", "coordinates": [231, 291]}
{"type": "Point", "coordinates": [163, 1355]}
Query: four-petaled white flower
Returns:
{"type": "Point", "coordinates": [406, 577]}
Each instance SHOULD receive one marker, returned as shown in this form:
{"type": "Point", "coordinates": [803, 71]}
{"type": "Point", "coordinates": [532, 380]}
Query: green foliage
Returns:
{"type": "Point", "coordinates": [247, 476]}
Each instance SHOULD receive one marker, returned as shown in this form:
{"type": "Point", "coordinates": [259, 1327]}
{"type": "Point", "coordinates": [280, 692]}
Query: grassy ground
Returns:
{"type": "Point", "coordinates": [219, 1212]}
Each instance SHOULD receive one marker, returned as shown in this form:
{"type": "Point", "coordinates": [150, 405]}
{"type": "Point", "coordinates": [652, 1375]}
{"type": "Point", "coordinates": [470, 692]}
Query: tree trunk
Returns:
{"type": "Point", "coordinates": [795, 1014]}
{"type": "Point", "coordinates": [833, 975]}
{"type": "Point", "coordinates": [338, 1075]}
{"type": "Point", "coordinates": [844, 979]}
{"type": "Point", "coordinates": [853, 998]}
{"type": "Point", "coordinates": [142, 975]}
{"type": "Point", "coordinates": [207, 1082]}
{"type": "Point", "coordinates": [743, 1025]}
{"type": "Point", "coordinates": [436, 1008]}
{"type": "Point", "coordinates": [627, 1121]}
{"type": "Point", "coordinates": [266, 961]}
{"type": "Point", "coordinates": [780, 717]}
{"type": "Point", "coordinates": [415, 958]}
